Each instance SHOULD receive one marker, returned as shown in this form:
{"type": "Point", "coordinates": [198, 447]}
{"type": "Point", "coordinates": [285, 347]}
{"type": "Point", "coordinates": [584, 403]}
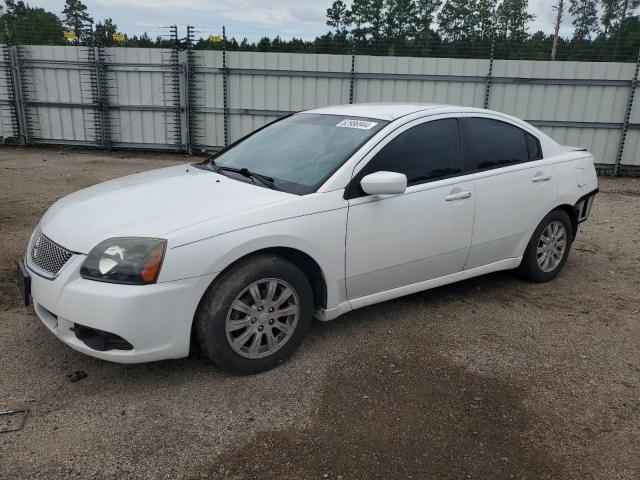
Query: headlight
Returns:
{"type": "Point", "coordinates": [133, 261]}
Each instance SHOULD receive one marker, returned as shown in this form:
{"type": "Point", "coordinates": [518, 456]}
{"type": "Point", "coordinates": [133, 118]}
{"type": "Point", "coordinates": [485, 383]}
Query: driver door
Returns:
{"type": "Point", "coordinates": [398, 240]}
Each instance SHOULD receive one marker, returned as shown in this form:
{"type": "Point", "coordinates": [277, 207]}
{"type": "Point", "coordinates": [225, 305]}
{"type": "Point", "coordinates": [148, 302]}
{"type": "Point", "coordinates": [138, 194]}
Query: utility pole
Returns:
{"type": "Point", "coordinates": [557, 31]}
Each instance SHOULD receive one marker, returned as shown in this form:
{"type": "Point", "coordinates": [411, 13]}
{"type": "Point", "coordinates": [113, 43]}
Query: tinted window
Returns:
{"type": "Point", "coordinates": [425, 152]}
{"type": "Point", "coordinates": [492, 143]}
{"type": "Point", "coordinates": [533, 145]}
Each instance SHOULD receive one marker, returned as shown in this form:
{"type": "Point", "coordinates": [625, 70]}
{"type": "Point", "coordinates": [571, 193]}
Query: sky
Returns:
{"type": "Point", "coordinates": [243, 18]}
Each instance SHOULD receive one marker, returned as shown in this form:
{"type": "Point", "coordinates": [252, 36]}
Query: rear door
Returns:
{"type": "Point", "coordinates": [515, 187]}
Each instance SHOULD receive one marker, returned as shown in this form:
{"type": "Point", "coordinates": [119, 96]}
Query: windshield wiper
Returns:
{"type": "Point", "coordinates": [245, 172]}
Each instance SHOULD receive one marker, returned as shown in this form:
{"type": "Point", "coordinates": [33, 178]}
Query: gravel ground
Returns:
{"type": "Point", "coordinates": [489, 378]}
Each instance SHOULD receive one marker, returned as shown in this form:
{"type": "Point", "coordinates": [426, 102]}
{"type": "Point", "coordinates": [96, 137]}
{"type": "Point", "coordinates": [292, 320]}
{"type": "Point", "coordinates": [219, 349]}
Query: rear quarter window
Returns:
{"type": "Point", "coordinates": [533, 145]}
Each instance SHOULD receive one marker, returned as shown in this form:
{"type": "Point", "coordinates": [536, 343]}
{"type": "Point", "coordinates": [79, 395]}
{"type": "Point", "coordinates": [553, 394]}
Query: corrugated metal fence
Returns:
{"type": "Point", "coordinates": [198, 100]}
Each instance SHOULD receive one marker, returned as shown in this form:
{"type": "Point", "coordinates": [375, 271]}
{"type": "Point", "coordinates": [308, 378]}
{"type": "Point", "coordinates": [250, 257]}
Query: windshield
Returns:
{"type": "Point", "coordinates": [301, 151]}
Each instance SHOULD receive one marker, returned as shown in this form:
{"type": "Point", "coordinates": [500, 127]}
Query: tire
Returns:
{"type": "Point", "coordinates": [542, 271]}
{"type": "Point", "coordinates": [236, 311]}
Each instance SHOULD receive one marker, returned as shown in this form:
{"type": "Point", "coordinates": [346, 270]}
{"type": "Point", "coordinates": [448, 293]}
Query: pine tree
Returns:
{"type": "Point", "coordinates": [104, 32]}
{"type": "Point", "coordinates": [339, 17]}
{"type": "Point", "coordinates": [456, 20]}
{"type": "Point", "coordinates": [359, 15]}
{"type": "Point", "coordinates": [614, 13]}
{"type": "Point", "coordinates": [585, 18]}
{"type": "Point", "coordinates": [610, 11]}
{"type": "Point", "coordinates": [468, 20]}
{"type": "Point", "coordinates": [425, 11]}
{"type": "Point", "coordinates": [372, 17]}
{"type": "Point", "coordinates": [485, 19]}
{"type": "Point", "coordinates": [513, 19]}
{"type": "Point", "coordinates": [369, 19]}
{"type": "Point", "coordinates": [22, 24]}
{"type": "Point", "coordinates": [376, 19]}
{"type": "Point", "coordinates": [76, 17]}
{"type": "Point", "coordinates": [400, 19]}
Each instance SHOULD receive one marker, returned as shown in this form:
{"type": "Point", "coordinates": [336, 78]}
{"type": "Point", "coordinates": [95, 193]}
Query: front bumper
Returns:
{"type": "Point", "coordinates": [155, 319]}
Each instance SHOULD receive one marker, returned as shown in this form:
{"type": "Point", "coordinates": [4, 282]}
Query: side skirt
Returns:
{"type": "Point", "coordinates": [344, 307]}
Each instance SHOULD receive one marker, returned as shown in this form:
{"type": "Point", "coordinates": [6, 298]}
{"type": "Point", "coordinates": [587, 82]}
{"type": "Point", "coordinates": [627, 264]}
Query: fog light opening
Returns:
{"type": "Point", "coordinates": [100, 340]}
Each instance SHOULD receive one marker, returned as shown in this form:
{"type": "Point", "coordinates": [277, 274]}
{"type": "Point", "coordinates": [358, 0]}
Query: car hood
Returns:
{"type": "Point", "coordinates": [149, 204]}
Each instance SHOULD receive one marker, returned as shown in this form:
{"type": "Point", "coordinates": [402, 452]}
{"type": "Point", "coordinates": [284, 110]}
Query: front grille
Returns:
{"type": "Point", "coordinates": [47, 256]}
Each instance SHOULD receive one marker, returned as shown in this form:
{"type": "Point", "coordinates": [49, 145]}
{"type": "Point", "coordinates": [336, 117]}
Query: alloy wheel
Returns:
{"type": "Point", "coordinates": [262, 318]}
{"type": "Point", "coordinates": [551, 246]}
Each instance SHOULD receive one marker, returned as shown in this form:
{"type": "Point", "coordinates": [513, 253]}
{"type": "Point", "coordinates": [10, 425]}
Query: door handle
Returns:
{"type": "Point", "coordinates": [541, 178]}
{"type": "Point", "coordinates": [457, 196]}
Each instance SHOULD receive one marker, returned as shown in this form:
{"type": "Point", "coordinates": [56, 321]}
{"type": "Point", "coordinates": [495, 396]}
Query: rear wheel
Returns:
{"type": "Point", "coordinates": [255, 315]}
{"type": "Point", "coordinates": [548, 248]}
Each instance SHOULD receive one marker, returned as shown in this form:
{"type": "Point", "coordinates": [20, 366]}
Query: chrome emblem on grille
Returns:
{"type": "Point", "coordinates": [36, 246]}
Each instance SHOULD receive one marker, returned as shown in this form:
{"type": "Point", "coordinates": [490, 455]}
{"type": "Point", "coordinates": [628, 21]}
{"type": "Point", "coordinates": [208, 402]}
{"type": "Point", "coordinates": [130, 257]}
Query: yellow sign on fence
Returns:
{"type": "Point", "coordinates": [118, 37]}
{"type": "Point", "coordinates": [215, 38]}
{"type": "Point", "coordinates": [70, 35]}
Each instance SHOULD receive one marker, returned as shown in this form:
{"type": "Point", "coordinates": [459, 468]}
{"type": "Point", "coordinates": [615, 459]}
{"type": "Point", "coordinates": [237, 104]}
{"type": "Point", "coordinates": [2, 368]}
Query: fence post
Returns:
{"type": "Point", "coordinates": [352, 79]}
{"type": "Point", "coordinates": [102, 97]}
{"type": "Point", "coordinates": [172, 78]}
{"type": "Point", "coordinates": [627, 115]}
{"type": "Point", "coordinates": [225, 88]}
{"type": "Point", "coordinates": [188, 93]}
{"type": "Point", "coordinates": [8, 78]}
{"type": "Point", "coordinates": [95, 86]}
{"type": "Point", "coordinates": [22, 120]}
{"type": "Point", "coordinates": [487, 86]}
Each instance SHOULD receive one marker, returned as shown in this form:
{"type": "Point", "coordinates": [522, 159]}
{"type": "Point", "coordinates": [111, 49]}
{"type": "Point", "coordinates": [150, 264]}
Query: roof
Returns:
{"type": "Point", "coordinates": [382, 111]}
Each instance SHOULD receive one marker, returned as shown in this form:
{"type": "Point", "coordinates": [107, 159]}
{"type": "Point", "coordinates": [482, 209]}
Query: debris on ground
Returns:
{"type": "Point", "coordinates": [76, 376]}
{"type": "Point", "coordinates": [13, 420]}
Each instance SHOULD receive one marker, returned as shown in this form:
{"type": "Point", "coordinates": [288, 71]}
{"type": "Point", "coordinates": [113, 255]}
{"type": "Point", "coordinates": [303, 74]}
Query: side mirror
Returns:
{"type": "Point", "coordinates": [384, 183]}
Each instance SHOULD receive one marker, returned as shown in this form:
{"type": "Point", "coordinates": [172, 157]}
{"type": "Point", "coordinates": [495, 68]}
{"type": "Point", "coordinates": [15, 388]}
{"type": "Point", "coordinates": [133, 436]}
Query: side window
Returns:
{"type": "Point", "coordinates": [491, 144]}
{"type": "Point", "coordinates": [427, 151]}
{"type": "Point", "coordinates": [533, 145]}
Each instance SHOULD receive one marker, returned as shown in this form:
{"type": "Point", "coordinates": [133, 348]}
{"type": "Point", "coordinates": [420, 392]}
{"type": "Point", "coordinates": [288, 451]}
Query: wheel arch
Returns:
{"type": "Point", "coordinates": [307, 264]}
{"type": "Point", "coordinates": [309, 267]}
{"type": "Point", "coordinates": [569, 209]}
{"type": "Point", "coordinates": [573, 216]}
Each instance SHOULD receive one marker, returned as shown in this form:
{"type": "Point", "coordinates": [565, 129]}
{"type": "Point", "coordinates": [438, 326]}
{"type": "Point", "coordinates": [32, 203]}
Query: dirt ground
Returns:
{"type": "Point", "coordinates": [489, 378]}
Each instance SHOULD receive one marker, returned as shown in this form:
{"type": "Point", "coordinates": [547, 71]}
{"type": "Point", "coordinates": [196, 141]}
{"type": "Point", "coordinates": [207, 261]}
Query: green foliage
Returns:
{"type": "Point", "coordinates": [468, 20]}
{"type": "Point", "coordinates": [603, 30]}
{"type": "Point", "coordinates": [22, 24]}
{"type": "Point", "coordinates": [610, 11]}
{"type": "Point", "coordinates": [400, 19]}
{"type": "Point", "coordinates": [425, 13]}
{"type": "Point", "coordinates": [76, 18]}
{"type": "Point", "coordinates": [615, 13]}
{"type": "Point", "coordinates": [585, 18]}
{"type": "Point", "coordinates": [339, 17]}
{"type": "Point", "coordinates": [144, 41]}
{"type": "Point", "coordinates": [628, 36]}
{"type": "Point", "coordinates": [104, 33]}
{"type": "Point", "coordinates": [456, 20]}
{"type": "Point", "coordinates": [512, 19]}
{"type": "Point", "coordinates": [369, 18]}
{"type": "Point", "coordinates": [485, 12]}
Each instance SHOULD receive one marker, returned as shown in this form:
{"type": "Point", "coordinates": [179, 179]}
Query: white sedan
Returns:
{"type": "Point", "coordinates": [313, 215]}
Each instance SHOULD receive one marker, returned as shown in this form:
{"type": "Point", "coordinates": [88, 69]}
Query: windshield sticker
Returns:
{"type": "Point", "coordinates": [361, 124]}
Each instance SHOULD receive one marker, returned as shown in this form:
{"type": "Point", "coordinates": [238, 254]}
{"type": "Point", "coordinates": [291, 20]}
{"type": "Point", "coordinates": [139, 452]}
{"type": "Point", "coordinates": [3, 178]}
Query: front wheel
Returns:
{"type": "Point", "coordinates": [255, 315]}
{"type": "Point", "coordinates": [548, 248]}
